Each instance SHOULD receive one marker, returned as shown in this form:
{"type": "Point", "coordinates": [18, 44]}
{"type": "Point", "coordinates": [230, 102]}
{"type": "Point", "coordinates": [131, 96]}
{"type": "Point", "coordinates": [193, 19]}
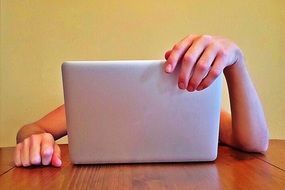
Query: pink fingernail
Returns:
{"type": "Point", "coordinates": [190, 88]}
{"type": "Point", "coordinates": [200, 88]}
{"type": "Point", "coordinates": [168, 68]}
{"type": "Point", "coordinates": [181, 85]}
{"type": "Point", "coordinates": [59, 163]}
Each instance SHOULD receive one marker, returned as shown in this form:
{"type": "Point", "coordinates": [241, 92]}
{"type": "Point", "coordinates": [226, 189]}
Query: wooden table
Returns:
{"type": "Point", "coordinates": [232, 170]}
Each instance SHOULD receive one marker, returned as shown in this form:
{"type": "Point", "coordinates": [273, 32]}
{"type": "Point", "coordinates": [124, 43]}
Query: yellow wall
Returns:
{"type": "Point", "coordinates": [37, 36]}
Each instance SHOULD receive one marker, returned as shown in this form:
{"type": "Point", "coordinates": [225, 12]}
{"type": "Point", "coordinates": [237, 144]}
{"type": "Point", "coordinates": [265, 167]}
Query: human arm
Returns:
{"type": "Point", "coordinates": [203, 59]}
{"type": "Point", "coordinates": [35, 141]}
{"type": "Point", "coordinates": [246, 127]}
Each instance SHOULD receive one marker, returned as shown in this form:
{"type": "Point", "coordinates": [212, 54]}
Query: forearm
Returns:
{"type": "Point", "coordinates": [248, 129]}
{"type": "Point", "coordinates": [53, 123]}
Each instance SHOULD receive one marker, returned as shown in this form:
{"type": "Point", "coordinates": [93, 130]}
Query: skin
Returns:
{"type": "Point", "coordinates": [203, 58]}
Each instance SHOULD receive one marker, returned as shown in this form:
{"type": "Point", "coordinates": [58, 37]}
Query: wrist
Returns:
{"type": "Point", "coordinates": [237, 69]}
{"type": "Point", "coordinates": [28, 130]}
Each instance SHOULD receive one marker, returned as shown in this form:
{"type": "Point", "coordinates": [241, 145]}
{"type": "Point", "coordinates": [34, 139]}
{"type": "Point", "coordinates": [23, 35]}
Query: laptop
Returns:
{"type": "Point", "coordinates": [133, 112]}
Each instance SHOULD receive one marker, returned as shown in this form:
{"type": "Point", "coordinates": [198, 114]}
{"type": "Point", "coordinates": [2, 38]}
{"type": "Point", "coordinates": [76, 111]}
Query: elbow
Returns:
{"type": "Point", "coordinates": [260, 147]}
{"type": "Point", "coordinates": [258, 144]}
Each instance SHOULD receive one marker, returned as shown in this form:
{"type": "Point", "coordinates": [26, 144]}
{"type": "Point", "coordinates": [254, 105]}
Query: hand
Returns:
{"type": "Point", "coordinates": [203, 59]}
{"type": "Point", "coordinates": [36, 150]}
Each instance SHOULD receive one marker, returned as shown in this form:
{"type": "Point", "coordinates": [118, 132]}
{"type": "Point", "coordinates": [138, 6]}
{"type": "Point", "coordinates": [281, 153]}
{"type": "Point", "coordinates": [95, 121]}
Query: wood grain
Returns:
{"type": "Point", "coordinates": [6, 159]}
{"type": "Point", "coordinates": [232, 170]}
{"type": "Point", "coordinates": [275, 154]}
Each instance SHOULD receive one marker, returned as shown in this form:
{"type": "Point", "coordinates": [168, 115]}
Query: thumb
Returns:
{"type": "Point", "coordinates": [56, 158]}
{"type": "Point", "coordinates": [168, 68]}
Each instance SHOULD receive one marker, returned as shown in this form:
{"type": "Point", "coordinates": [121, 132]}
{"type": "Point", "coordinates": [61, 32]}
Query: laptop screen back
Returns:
{"type": "Point", "coordinates": [132, 111]}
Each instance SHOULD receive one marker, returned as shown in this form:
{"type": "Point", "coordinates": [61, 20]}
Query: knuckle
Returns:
{"type": "Point", "coordinates": [176, 47]}
{"type": "Point", "coordinates": [26, 141]}
{"type": "Point", "coordinates": [215, 73]}
{"type": "Point", "coordinates": [202, 67]}
{"type": "Point", "coordinates": [234, 47]}
{"type": "Point", "coordinates": [206, 37]}
{"type": "Point", "coordinates": [47, 151]}
{"type": "Point", "coordinates": [33, 138]}
{"type": "Point", "coordinates": [222, 53]}
{"type": "Point", "coordinates": [47, 136]}
{"type": "Point", "coordinates": [215, 45]}
{"type": "Point", "coordinates": [191, 37]}
{"type": "Point", "coordinates": [188, 59]}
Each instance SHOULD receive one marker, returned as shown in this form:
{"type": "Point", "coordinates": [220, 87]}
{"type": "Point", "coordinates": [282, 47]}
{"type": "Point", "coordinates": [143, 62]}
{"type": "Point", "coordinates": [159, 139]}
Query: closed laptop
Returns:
{"type": "Point", "coordinates": [132, 111]}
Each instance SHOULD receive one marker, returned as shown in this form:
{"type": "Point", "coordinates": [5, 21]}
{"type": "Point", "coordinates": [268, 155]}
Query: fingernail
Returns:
{"type": "Point", "coordinates": [47, 152]}
{"type": "Point", "coordinates": [200, 88]}
{"type": "Point", "coordinates": [36, 160]}
{"type": "Point", "coordinates": [168, 68]}
{"type": "Point", "coordinates": [59, 162]}
{"type": "Point", "coordinates": [45, 162]}
{"type": "Point", "coordinates": [190, 88]}
{"type": "Point", "coordinates": [181, 85]}
{"type": "Point", "coordinates": [56, 162]}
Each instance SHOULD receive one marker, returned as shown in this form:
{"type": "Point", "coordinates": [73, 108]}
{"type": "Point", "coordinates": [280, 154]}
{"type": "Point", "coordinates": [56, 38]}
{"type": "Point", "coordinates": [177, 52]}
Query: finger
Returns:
{"type": "Point", "coordinates": [167, 54]}
{"type": "Point", "coordinates": [47, 148]}
{"type": "Point", "coordinates": [17, 155]}
{"type": "Point", "coordinates": [35, 148]}
{"type": "Point", "coordinates": [189, 60]}
{"type": "Point", "coordinates": [202, 67]}
{"type": "Point", "coordinates": [215, 71]}
{"type": "Point", "coordinates": [177, 53]}
{"type": "Point", "coordinates": [56, 158]}
{"type": "Point", "coordinates": [167, 66]}
{"type": "Point", "coordinates": [25, 153]}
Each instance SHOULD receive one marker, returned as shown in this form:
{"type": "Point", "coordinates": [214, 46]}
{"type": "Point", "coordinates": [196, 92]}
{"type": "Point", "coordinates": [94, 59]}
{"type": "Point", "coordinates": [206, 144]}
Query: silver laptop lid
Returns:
{"type": "Point", "coordinates": [132, 111]}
